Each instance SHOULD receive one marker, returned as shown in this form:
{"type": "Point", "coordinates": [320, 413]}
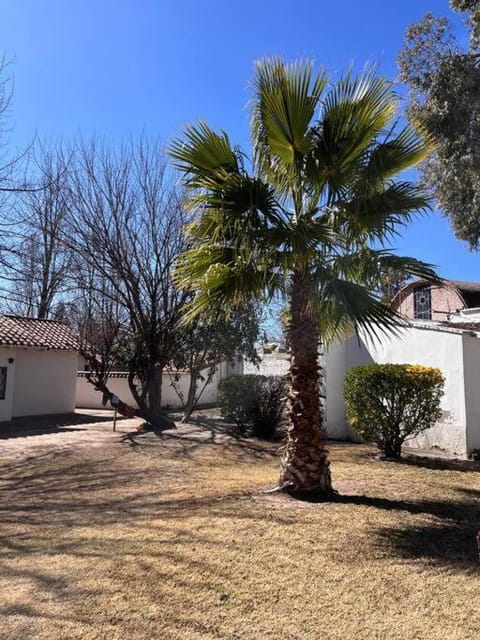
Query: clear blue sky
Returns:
{"type": "Point", "coordinates": [115, 67]}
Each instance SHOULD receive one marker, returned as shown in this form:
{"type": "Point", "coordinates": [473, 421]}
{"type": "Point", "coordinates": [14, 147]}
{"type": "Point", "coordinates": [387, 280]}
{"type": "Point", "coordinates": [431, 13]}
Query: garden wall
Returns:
{"type": "Point", "coordinates": [422, 344]}
{"type": "Point", "coordinates": [88, 398]}
{"type": "Point", "coordinates": [455, 352]}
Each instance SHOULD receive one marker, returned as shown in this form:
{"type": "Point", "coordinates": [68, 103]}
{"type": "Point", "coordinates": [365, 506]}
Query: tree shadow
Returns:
{"type": "Point", "coordinates": [41, 431]}
{"type": "Point", "coordinates": [189, 438]}
{"type": "Point", "coordinates": [449, 545]}
{"type": "Point", "coordinates": [115, 501]}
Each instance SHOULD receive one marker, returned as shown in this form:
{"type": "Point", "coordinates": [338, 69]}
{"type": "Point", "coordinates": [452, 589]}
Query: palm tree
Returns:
{"type": "Point", "coordinates": [310, 221]}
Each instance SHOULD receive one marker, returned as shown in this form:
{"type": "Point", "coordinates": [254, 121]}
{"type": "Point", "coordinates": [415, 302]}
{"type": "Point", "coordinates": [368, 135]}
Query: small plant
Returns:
{"type": "Point", "coordinates": [388, 403]}
{"type": "Point", "coordinates": [254, 403]}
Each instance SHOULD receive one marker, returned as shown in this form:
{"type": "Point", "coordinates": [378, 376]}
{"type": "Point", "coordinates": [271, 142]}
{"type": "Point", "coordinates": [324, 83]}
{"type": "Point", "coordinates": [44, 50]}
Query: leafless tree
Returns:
{"type": "Point", "coordinates": [13, 167]}
{"type": "Point", "coordinates": [39, 264]}
{"type": "Point", "coordinates": [204, 344]}
{"type": "Point", "coordinates": [126, 226]}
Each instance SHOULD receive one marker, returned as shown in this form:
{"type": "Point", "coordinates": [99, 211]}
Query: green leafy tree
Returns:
{"type": "Point", "coordinates": [444, 97]}
{"type": "Point", "coordinates": [301, 223]}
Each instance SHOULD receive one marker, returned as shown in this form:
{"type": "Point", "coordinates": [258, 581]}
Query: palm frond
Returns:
{"type": "Point", "coordinates": [321, 195]}
{"type": "Point", "coordinates": [341, 306]}
{"type": "Point", "coordinates": [203, 156]}
{"type": "Point", "coordinates": [393, 155]}
{"type": "Point", "coordinates": [380, 215]}
{"type": "Point", "coordinates": [355, 112]}
{"type": "Point", "coordinates": [229, 285]}
{"type": "Point", "coordinates": [366, 266]}
{"type": "Point", "coordinates": [285, 99]}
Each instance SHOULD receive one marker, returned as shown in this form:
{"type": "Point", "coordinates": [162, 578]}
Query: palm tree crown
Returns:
{"type": "Point", "coordinates": [311, 221]}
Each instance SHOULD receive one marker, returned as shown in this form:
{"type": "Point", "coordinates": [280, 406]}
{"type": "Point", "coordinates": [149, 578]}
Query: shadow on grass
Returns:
{"type": "Point", "coordinates": [93, 513]}
{"type": "Point", "coordinates": [58, 491]}
{"type": "Point", "coordinates": [189, 438]}
{"type": "Point", "coordinates": [451, 544]}
{"type": "Point", "coordinates": [43, 504]}
{"type": "Point", "coordinates": [446, 537]}
{"type": "Point", "coordinates": [440, 464]}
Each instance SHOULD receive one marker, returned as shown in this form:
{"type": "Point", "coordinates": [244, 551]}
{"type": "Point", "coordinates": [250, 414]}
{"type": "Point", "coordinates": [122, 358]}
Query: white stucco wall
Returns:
{"type": "Point", "coordinates": [455, 353]}
{"type": "Point", "coordinates": [44, 382]}
{"type": "Point", "coordinates": [87, 397]}
{"type": "Point", "coordinates": [413, 345]}
{"type": "Point", "coordinates": [471, 368]}
{"type": "Point", "coordinates": [337, 362]}
{"type": "Point", "coordinates": [271, 364]}
{"type": "Point", "coordinates": [7, 402]}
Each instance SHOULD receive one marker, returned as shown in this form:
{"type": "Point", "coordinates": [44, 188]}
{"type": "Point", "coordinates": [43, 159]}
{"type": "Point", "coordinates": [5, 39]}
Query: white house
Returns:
{"type": "Point", "coordinates": [38, 365]}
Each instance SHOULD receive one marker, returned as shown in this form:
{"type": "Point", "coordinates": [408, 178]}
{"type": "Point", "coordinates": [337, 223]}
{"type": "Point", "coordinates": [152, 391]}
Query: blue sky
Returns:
{"type": "Point", "coordinates": [115, 68]}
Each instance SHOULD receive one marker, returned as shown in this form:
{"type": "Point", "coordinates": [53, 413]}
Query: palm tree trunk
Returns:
{"type": "Point", "coordinates": [305, 465]}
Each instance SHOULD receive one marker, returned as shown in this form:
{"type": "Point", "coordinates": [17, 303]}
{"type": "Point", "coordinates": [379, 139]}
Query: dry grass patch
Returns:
{"type": "Point", "coordinates": [175, 539]}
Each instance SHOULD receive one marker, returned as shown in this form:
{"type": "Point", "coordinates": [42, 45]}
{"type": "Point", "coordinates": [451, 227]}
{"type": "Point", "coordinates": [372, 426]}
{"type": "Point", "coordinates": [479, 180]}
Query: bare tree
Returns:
{"type": "Point", "coordinates": [39, 264]}
{"type": "Point", "coordinates": [13, 168]}
{"type": "Point", "coordinates": [204, 344]}
{"type": "Point", "coordinates": [126, 226]}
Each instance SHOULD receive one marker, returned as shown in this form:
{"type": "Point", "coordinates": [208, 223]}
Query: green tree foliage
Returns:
{"type": "Point", "coordinates": [444, 98]}
{"type": "Point", "coordinates": [387, 403]}
{"type": "Point", "coordinates": [309, 221]}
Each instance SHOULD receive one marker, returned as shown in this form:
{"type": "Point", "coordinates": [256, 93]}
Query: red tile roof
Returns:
{"type": "Point", "coordinates": [16, 331]}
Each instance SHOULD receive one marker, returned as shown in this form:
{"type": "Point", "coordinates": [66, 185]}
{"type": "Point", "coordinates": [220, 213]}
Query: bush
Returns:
{"type": "Point", "coordinates": [254, 403]}
{"type": "Point", "coordinates": [387, 403]}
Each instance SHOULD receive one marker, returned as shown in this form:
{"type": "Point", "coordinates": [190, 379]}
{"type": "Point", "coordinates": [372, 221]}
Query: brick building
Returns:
{"type": "Point", "coordinates": [422, 300]}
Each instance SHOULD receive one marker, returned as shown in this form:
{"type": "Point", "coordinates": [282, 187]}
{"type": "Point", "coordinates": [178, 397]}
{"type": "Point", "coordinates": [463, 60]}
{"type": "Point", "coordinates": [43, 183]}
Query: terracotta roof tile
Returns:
{"type": "Point", "coordinates": [16, 331]}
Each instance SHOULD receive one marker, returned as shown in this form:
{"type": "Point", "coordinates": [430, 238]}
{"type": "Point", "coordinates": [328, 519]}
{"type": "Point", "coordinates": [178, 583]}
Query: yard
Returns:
{"type": "Point", "coordinates": [176, 538]}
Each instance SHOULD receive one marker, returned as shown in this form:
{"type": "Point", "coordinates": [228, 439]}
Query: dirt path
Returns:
{"type": "Point", "coordinates": [88, 428]}
{"type": "Point", "coordinates": [85, 428]}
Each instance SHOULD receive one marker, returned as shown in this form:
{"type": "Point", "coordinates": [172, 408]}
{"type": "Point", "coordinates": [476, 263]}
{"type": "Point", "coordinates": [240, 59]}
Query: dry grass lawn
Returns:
{"type": "Point", "coordinates": [175, 540]}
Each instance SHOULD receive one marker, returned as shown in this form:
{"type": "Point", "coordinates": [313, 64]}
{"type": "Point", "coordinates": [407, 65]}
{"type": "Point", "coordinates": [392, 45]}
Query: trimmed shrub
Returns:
{"type": "Point", "coordinates": [387, 403]}
{"type": "Point", "coordinates": [254, 403]}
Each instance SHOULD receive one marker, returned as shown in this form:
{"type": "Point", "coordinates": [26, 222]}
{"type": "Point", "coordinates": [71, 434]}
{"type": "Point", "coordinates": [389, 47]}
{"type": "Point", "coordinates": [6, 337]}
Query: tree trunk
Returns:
{"type": "Point", "coordinates": [305, 465]}
{"type": "Point", "coordinates": [191, 395]}
{"type": "Point", "coordinates": [150, 403]}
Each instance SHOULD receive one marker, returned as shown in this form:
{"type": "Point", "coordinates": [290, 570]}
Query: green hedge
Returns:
{"type": "Point", "coordinates": [254, 403]}
{"type": "Point", "coordinates": [387, 403]}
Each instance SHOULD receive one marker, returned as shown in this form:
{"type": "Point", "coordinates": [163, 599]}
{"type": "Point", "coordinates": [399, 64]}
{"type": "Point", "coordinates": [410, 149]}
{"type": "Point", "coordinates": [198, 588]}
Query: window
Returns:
{"type": "Point", "coordinates": [3, 382]}
{"type": "Point", "coordinates": [422, 303]}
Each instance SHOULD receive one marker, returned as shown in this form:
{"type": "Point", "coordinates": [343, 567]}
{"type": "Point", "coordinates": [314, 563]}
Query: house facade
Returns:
{"type": "Point", "coordinates": [38, 365]}
{"type": "Point", "coordinates": [421, 300]}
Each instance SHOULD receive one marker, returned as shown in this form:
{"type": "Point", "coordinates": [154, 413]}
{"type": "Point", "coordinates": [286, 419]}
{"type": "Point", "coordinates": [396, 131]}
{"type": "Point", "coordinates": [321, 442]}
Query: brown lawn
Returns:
{"type": "Point", "coordinates": [175, 539]}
